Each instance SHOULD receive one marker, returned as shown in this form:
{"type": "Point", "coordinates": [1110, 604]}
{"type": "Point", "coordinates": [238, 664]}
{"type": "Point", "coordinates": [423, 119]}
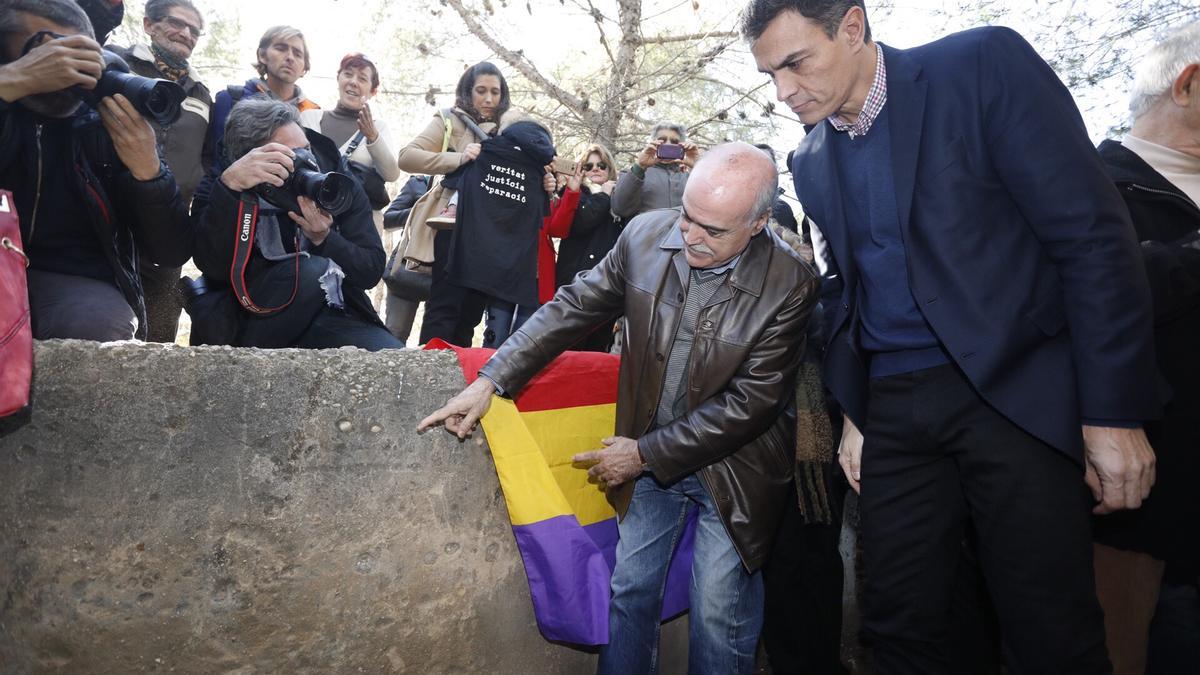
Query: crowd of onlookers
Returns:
{"type": "Point", "coordinates": [285, 205]}
{"type": "Point", "coordinates": [461, 252]}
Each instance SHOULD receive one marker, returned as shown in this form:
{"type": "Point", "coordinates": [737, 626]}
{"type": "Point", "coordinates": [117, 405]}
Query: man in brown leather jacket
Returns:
{"type": "Point", "coordinates": [717, 309]}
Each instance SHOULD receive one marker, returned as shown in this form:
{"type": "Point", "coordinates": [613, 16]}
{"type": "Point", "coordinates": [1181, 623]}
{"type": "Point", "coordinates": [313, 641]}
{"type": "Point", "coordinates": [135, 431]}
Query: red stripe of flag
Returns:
{"type": "Point", "coordinates": [573, 379]}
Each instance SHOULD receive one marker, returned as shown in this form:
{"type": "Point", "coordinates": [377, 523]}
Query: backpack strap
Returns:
{"type": "Point", "coordinates": [446, 113]}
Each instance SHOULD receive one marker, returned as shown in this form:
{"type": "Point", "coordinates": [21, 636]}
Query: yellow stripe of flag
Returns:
{"type": "Point", "coordinates": [561, 434]}
{"type": "Point", "coordinates": [532, 452]}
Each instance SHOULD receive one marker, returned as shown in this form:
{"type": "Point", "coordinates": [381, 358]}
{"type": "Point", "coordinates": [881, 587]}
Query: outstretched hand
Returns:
{"type": "Point", "coordinates": [463, 412]}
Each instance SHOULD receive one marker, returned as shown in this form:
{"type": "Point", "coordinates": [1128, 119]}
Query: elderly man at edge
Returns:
{"type": "Point", "coordinates": [1157, 170]}
{"type": "Point", "coordinates": [709, 365]}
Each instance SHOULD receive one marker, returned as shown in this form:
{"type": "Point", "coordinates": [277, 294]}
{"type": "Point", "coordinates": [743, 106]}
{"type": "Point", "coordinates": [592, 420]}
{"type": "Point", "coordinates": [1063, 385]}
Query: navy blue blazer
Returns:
{"type": "Point", "coordinates": [1020, 251]}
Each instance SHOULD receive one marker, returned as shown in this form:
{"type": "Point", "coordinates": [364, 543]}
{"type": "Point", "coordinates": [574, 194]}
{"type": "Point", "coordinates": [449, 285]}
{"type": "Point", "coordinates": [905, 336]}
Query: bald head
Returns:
{"type": "Point", "coordinates": [737, 174]}
{"type": "Point", "coordinates": [726, 202]}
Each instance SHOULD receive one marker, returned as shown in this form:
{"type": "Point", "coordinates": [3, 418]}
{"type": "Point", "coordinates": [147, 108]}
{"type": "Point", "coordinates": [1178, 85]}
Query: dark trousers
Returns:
{"type": "Point", "coordinates": [337, 328]}
{"type": "Point", "coordinates": [78, 308]}
{"type": "Point", "coordinates": [1175, 631]}
{"type": "Point", "coordinates": [400, 315]}
{"type": "Point", "coordinates": [164, 301]}
{"type": "Point", "coordinates": [802, 627]}
{"type": "Point", "coordinates": [935, 456]}
{"type": "Point", "coordinates": [452, 311]}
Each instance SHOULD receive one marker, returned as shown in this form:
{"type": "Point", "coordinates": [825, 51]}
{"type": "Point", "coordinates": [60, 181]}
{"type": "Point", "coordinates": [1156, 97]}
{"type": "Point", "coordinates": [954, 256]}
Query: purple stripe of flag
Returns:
{"type": "Point", "coordinates": [569, 568]}
{"type": "Point", "coordinates": [568, 580]}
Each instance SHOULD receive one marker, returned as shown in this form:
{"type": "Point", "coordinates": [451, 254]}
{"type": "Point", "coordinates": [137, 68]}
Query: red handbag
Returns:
{"type": "Point", "coordinates": [16, 335]}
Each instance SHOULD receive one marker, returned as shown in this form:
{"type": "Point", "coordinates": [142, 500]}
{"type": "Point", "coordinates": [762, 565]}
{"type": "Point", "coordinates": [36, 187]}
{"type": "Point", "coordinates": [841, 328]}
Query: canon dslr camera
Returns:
{"type": "Point", "coordinates": [157, 99]}
{"type": "Point", "coordinates": [331, 191]}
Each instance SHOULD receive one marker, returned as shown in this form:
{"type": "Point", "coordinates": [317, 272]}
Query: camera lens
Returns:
{"type": "Point", "coordinates": [335, 192]}
{"type": "Point", "coordinates": [162, 101]}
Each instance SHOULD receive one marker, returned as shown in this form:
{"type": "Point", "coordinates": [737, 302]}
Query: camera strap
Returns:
{"type": "Point", "coordinates": [358, 139]}
{"type": "Point", "coordinates": [243, 248]}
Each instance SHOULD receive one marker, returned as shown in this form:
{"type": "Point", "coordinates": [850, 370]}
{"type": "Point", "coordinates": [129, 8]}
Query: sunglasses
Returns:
{"type": "Point", "coordinates": [588, 166]}
{"type": "Point", "coordinates": [180, 24]}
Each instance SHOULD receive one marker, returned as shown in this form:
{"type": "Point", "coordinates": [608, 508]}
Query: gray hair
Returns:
{"type": "Point", "coordinates": [765, 199]}
{"type": "Point", "coordinates": [1162, 65]}
{"type": "Point", "coordinates": [156, 10]}
{"type": "Point", "coordinates": [252, 122]}
{"type": "Point", "coordinates": [61, 12]}
{"type": "Point", "coordinates": [673, 126]}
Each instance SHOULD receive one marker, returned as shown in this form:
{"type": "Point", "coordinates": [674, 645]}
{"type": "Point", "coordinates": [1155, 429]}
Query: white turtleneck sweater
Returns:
{"type": "Point", "coordinates": [1182, 169]}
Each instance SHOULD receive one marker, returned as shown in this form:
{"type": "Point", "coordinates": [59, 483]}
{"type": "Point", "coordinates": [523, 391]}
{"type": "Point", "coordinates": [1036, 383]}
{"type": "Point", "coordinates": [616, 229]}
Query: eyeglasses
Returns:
{"type": "Point", "coordinates": [180, 24]}
{"type": "Point", "coordinates": [588, 166]}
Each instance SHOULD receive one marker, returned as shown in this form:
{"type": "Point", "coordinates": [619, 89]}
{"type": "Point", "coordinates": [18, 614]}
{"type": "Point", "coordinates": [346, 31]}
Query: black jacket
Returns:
{"type": "Point", "coordinates": [128, 216]}
{"type": "Point", "coordinates": [353, 243]}
{"type": "Point", "coordinates": [1020, 254]}
{"type": "Point", "coordinates": [1166, 222]}
{"type": "Point", "coordinates": [397, 212]}
{"type": "Point", "coordinates": [594, 231]}
{"type": "Point", "coordinates": [501, 206]}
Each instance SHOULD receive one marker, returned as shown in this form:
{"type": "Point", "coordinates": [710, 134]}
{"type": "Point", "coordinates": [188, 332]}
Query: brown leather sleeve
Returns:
{"type": "Point", "coordinates": [748, 405]}
{"type": "Point", "coordinates": [595, 297]}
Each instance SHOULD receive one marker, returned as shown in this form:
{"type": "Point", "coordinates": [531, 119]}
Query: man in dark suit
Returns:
{"type": "Point", "coordinates": [990, 324]}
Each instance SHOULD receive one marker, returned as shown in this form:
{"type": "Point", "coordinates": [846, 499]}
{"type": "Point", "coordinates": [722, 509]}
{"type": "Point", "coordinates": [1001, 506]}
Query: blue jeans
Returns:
{"type": "Point", "coordinates": [726, 602]}
{"type": "Point", "coordinates": [503, 319]}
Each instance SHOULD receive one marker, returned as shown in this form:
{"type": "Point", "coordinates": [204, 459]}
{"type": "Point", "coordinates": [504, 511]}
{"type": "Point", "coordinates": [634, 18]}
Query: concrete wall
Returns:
{"type": "Point", "coordinates": [243, 511]}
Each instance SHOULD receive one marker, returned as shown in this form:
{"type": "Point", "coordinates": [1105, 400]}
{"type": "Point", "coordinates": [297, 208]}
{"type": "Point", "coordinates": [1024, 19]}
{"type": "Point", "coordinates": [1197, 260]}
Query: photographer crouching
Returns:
{"type": "Point", "coordinates": [81, 161]}
{"type": "Point", "coordinates": [280, 222]}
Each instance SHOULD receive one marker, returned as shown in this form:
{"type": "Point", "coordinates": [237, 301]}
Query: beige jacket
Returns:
{"type": "Point", "coordinates": [423, 155]}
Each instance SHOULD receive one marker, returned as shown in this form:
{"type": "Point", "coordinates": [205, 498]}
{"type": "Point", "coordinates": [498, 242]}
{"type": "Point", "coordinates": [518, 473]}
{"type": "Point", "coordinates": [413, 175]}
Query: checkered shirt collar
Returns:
{"type": "Point", "coordinates": [876, 97]}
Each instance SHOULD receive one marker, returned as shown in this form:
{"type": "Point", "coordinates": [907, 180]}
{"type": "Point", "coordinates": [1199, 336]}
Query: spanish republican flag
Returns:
{"type": "Point", "coordinates": [565, 529]}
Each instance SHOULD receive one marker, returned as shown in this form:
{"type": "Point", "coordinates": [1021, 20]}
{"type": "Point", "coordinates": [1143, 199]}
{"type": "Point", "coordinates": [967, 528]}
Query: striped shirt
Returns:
{"type": "Point", "coordinates": [703, 285]}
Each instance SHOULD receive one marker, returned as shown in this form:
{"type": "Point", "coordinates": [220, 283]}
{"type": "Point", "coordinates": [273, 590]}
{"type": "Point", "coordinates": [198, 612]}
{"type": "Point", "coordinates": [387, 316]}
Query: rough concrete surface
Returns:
{"type": "Point", "coordinates": [216, 510]}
